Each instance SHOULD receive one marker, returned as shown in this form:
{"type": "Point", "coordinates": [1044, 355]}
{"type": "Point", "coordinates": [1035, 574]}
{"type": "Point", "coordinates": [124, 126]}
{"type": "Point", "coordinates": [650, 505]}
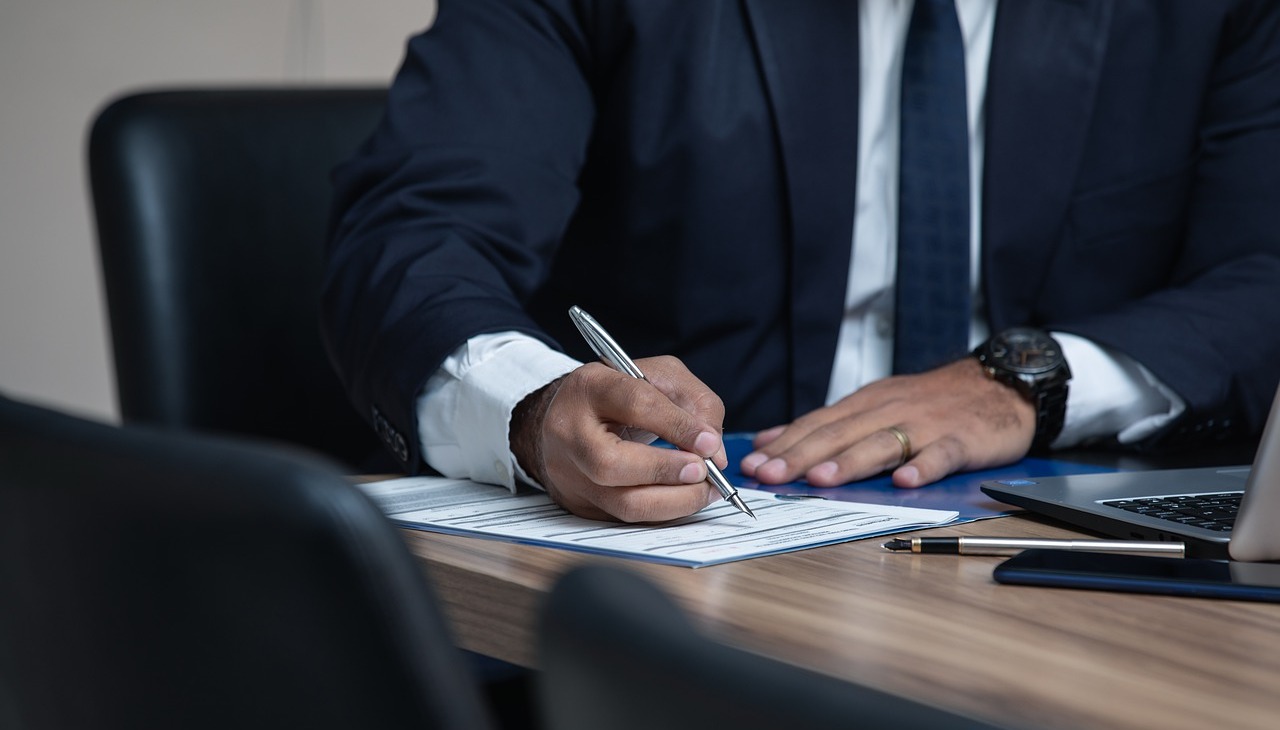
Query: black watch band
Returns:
{"type": "Point", "coordinates": [1051, 414]}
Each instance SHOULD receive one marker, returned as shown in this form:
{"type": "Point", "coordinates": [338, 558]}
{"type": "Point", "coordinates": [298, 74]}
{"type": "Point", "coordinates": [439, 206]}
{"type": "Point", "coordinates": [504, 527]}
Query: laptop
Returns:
{"type": "Point", "coordinates": [1218, 512]}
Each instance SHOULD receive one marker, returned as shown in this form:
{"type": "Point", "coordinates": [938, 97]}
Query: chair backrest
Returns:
{"type": "Point", "coordinates": [616, 652]}
{"type": "Point", "coordinates": [154, 579]}
{"type": "Point", "coordinates": [211, 209]}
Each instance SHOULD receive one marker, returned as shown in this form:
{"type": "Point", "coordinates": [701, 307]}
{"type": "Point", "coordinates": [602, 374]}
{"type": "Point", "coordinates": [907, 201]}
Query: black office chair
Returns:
{"type": "Point", "coordinates": [164, 580]}
{"type": "Point", "coordinates": [618, 653]}
{"type": "Point", "coordinates": [211, 210]}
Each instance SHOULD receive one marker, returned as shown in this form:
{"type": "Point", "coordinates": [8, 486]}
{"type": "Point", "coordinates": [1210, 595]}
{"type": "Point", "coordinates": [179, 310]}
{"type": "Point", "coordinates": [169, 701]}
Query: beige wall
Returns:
{"type": "Point", "coordinates": [60, 61]}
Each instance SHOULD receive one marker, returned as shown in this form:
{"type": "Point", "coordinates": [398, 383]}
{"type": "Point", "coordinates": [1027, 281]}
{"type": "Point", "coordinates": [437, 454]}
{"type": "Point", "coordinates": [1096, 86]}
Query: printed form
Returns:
{"type": "Point", "coordinates": [717, 534]}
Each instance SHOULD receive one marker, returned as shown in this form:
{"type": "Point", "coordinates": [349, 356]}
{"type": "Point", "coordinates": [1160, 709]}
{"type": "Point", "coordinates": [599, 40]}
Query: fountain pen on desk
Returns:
{"type": "Point", "coordinates": [1011, 545]}
{"type": "Point", "coordinates": [608, 350]}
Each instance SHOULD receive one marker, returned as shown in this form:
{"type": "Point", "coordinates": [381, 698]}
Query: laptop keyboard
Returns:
{"type": "Point", "coordinates": [1210, 511]}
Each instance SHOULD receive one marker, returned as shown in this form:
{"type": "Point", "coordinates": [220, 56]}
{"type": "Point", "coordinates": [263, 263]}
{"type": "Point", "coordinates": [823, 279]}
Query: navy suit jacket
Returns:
{"type": "Point", "coordinates": [685, 170]}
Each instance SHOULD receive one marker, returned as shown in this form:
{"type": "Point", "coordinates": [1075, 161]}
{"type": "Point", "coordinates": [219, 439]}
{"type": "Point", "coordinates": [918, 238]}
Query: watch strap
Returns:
{"type": "Point", "coordinates": [1051, 414]}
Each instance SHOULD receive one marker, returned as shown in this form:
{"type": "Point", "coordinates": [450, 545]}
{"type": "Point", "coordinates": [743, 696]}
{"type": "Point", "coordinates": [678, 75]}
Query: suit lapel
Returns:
{"type": "Point", "coordinates": [810, 62]}
{"type": "Point", "coordinates": [1045, 63]}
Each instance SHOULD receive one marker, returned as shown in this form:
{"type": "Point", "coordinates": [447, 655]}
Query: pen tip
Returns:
{"type": "Point", "coordinates": [736, 501]}
{"type": "Point", "coordinates": [897, 544]}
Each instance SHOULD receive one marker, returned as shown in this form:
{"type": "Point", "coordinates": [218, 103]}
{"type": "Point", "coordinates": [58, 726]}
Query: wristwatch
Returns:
{"type": "Point", "coordinates": [1031, 362]}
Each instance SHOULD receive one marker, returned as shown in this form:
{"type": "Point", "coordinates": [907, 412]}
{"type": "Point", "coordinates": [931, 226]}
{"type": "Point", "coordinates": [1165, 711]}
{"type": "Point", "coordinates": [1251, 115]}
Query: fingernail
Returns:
{"type": "Point", "coordinates": [692, 473]}
{"type": "Point", "coordinates": [707, 444]}
{"type": "Point", "coordinates": [751, 461]}
{"type": "Point", "coordinates": [824, 472]}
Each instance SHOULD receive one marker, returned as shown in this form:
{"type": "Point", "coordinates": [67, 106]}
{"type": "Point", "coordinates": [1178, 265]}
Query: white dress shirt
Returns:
{"type": "Point", "coordinates": [465, 408]}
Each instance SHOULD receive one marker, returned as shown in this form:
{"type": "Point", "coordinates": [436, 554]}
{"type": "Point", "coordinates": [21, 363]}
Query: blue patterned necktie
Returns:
{"type": "Point", "coordinates": [932, 292]}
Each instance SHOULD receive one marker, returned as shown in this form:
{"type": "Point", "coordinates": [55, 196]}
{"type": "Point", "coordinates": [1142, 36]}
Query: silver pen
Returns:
{"type": "Point", "coordinates": [1011, 545]}
{"type": "Point", "coordinates": [608, 350]}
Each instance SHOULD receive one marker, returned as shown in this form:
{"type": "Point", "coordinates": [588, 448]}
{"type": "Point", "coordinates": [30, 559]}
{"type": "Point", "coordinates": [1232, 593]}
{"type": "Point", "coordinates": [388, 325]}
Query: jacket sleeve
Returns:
{"type": "Point", "coordinates": [1212, 333]}
{"type": "Point", "coordinates": [446, 220]}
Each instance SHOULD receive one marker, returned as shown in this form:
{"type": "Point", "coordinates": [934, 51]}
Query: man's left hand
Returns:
{"type": "Point", "coordinates": [921, 427]}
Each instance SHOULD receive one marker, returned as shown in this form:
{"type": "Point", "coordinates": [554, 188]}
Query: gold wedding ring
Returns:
{"type": "Point", "coordinates": [903, 441]}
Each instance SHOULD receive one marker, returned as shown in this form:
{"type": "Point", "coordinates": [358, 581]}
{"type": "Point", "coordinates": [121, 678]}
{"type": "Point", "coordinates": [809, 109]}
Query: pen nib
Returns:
{"type": "Point", "coordinates": [897, 545]}
{"type": "Point", "coordinates": [736, 501]}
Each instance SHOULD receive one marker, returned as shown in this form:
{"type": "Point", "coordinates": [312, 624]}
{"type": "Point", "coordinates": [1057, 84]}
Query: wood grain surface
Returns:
{"type": "Point", "coordinates": [936, 628]}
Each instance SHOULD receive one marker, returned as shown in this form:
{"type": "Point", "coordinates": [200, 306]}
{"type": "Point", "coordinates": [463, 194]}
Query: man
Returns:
{"type": "Point", "coordinates": [718, 182]}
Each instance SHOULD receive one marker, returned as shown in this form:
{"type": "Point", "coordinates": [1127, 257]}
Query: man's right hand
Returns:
{"type": "Point", "coordinates": [586, 438]}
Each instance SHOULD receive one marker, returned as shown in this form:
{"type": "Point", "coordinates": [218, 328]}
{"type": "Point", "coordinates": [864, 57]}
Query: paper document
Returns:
{"type": "Point", "coordinates": [717, 534]}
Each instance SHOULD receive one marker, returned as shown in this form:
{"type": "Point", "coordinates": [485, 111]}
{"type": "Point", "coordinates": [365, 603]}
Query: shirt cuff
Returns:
{"type": "Point", "coordinates": [464, 411]}
{"type": "Point", "coordinates": [1111, 394]}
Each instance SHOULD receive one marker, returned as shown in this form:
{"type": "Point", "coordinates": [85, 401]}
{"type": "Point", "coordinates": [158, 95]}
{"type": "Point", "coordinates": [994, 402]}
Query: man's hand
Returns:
{"type": "Point", "coordinates": [586, 439]}
{"type": "Point", "coordinates": [950, 419]}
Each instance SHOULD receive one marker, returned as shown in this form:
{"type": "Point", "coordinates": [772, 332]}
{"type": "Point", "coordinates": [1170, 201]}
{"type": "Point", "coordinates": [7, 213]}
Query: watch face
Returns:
{"type": "Point", "coordinates": [1025, 350]}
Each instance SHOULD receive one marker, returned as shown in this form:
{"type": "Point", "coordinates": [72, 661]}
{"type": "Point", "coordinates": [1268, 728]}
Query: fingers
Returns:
{"type": "Point", "coordinates": [685, 391]}
{"type": "Point", "coordinates": [594, 470]}
{"type": "Point", "coordinates": [784, 453]}
{"type": "Point", "coordinates": [767, 436]}
{"type": "Point", "coordinates": [609, 462]}
{"type": "Point", "coordinates": [788, 452]}
{"type": "Point", "coordinates": [635, 504]}
{"type": "Point", "coordinates": [835, 454]}
{"type": "Point", "coordinates": [688, 419]}
{"type": "Point", "coordinates": [940, 458]}
{"type": "Point", "coordinates": [883, 451]}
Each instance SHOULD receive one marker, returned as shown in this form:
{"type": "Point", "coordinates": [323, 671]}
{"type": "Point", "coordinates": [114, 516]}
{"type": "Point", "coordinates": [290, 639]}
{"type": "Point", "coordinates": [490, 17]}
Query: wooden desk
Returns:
{"type": "Point", "coordinates": [936, 628]}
